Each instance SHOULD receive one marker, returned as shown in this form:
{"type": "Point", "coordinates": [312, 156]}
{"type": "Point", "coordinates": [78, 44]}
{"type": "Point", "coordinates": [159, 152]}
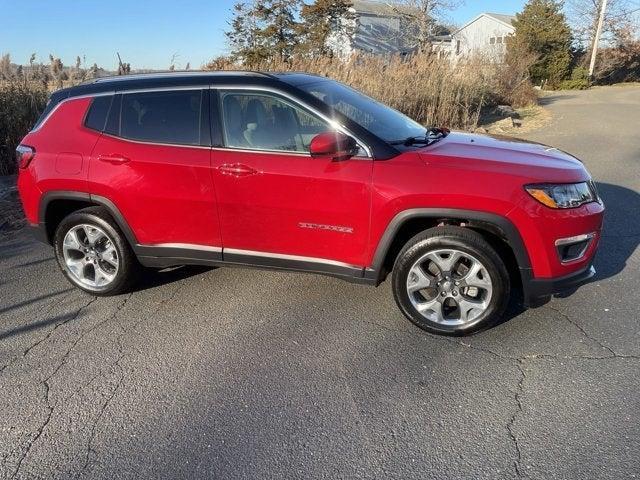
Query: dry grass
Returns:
{"type": "Point", "coordinates": [427, 89]}
{"type": "Point", "coordinates": [20, 104]}
{"type": "Point", "coordinates": [529, 119]}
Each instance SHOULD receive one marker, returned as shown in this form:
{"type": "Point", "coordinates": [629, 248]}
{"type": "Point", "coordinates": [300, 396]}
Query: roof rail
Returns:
{"type": "Point", "coordinates": [173, 73]}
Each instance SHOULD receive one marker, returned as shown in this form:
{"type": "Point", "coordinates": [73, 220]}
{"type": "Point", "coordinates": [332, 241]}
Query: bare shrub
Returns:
{"type": "Point", "coordinates": [513, 79]}
{"type": "Point", "coordinates": [622, 62]}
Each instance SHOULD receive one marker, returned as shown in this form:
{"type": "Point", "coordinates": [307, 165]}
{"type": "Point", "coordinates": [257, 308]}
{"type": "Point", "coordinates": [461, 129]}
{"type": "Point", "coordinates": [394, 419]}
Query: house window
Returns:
{"type": "Point", "coordinates": [457, 47]}
{"type": "Point", "coordinates": [492, 40]}
{"type": "Point", "coordinates": [499, 40]}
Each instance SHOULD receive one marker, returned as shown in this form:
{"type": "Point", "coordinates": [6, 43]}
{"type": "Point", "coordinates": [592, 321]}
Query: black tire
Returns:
{"type": "Point", "coordinates": [466, 241]}
{"type": "Point", "coordinates": [128, 266]}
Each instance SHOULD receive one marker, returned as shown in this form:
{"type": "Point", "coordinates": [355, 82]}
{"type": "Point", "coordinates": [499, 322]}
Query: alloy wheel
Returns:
{"type": "Point", "coordinates": [449, 287]}
{"type": "Point", "coordinates": [90, 256]}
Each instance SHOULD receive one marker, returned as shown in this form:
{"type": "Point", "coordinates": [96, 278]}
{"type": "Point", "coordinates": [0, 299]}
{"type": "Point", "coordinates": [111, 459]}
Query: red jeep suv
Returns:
{"type": "Point", "coordinates": [299, 172]}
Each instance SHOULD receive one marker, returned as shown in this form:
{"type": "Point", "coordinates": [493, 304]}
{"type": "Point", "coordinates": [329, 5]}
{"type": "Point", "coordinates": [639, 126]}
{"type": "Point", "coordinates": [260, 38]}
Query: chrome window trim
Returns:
{"type": "Point", "coordinates": [265, 151]}
{"type": "Point", "coordinates": [143, 142]}
{"type": "Point", "coordinates": [275, 152]}
{"type": "Point", "coordinates": [298, 103]}
{"type": "Point", "coordinates": [68, 99]}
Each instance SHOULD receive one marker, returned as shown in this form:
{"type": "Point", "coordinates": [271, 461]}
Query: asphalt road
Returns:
{"type": "Point", "coordinates": [250, 374]}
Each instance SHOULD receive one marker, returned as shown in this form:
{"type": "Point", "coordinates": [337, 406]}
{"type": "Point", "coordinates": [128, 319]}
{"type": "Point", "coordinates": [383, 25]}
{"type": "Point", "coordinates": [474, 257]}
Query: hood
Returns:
{"type": "Point", "coordinates": [502, 154]}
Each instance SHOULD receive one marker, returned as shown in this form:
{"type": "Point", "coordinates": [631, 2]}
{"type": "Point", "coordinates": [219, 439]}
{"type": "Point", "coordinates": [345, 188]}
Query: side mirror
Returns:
{"type": "Point", "coordinates": [335, 145]}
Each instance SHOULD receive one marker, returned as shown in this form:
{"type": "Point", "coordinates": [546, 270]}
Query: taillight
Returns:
{"type": "Point", "coordinates": [24, 155]}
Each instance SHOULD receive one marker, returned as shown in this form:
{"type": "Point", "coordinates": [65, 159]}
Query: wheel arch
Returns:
{"type": "Point", "coordinates": [494, 227]}
{"type": "Point", "coordinates": [56, 205]}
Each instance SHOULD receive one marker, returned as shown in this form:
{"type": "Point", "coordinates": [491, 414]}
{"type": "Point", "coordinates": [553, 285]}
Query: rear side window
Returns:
{"type": "Point", "coordinates": [98, 112]}
{"type": "Point", "coordinates": [162, 117]}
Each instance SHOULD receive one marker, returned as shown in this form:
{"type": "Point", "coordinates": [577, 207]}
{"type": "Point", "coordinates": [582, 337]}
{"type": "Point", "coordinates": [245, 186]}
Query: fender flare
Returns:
{"type": "Point", "coordinates": [49, 197]}
{"type": "Point", "coordinates": [507, 229]}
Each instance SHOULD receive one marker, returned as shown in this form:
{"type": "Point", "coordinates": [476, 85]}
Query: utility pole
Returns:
{"type": "Point", "coordinates": [596, 39]}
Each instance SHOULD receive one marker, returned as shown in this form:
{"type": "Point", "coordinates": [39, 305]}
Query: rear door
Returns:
{"type": "Point", "coordinates": [153, 163]}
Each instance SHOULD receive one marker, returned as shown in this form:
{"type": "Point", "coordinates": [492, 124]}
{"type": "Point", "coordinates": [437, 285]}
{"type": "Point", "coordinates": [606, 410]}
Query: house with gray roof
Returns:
{"type": "Point", "coordinates": [388, 27]}
{"type": "Point", "coordinates": [379, 27]}
{"type": "Point", "coordinates": [485, 35]}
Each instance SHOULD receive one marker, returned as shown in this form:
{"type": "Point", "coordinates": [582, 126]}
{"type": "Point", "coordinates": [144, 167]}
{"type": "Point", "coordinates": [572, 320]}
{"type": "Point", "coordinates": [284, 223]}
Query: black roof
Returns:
{"type": "Point", "coordinates": [178, 79]}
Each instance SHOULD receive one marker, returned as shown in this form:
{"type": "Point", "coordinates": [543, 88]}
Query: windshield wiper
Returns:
{"type": "Point", "coordinates": [432, 135]}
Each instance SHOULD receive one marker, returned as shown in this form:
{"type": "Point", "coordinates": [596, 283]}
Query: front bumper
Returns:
{"type": "Point", "coordinates": [538, 291]}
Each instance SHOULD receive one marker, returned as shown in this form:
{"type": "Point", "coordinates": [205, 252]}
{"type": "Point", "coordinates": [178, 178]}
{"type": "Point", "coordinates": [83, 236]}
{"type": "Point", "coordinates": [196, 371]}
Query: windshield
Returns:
{"type": "Point", "coordinates": [384, 122]}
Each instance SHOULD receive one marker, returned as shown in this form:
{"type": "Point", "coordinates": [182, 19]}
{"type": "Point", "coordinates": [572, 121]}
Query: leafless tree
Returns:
{"type": "Point", "coordinates": [424, 16]}
{"type": "Point", "coordinates": [619, 17]}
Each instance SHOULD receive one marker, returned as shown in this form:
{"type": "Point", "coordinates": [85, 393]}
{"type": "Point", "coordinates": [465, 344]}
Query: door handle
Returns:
{"type": "Point", "coordinates": [115, 159]}
{"type": "Point", "coordinates": [236, 169]}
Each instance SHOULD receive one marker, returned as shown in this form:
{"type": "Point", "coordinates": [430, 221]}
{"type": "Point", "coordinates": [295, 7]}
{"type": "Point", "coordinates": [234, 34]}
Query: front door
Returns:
{"type": "Point", "coordinates": [274, 199]}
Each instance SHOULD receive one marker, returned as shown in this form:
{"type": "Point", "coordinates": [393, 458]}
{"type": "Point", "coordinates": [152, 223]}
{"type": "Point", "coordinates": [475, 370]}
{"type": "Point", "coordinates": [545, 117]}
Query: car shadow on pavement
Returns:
{"type": "Point", "coordinates": [621, 231]}
{"type": "Point", "coordinates": [151, 278]}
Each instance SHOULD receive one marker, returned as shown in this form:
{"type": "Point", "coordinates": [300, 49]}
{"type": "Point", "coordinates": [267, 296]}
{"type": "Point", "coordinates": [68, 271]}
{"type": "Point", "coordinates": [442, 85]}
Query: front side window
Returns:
{"type": "Point", "coordinates": [384, 122]}
{"type": "Point", "coordinates": [258, 121]}
{"type": "Point", "coordinates": [162, 117]}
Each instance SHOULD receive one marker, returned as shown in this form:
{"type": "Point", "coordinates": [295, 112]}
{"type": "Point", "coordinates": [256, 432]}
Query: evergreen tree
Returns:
{"type": "Point", "coordinates": [244, 39]}
{"type": "Point", "coordinates": [542, 29]}
{"type": "Point", "coordinates": [324, 20]}
{"type": "Point", "coordinates": [279, 26]}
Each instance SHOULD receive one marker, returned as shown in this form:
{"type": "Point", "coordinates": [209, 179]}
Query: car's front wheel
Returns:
{"type": "Point", "coordinates": [93, 254]}
{"type": "Point", "coordinates": [449, 280]}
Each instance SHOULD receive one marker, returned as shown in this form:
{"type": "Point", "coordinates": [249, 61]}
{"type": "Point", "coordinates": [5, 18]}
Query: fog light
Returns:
{"type": "Point", "coordinates": [573, 248]}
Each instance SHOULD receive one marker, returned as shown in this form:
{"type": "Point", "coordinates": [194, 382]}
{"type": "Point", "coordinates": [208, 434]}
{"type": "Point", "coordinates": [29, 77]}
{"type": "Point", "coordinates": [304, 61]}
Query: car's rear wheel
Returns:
{"type": "Point", "coordinates": [93, 254]}
{"type": "Point", "coordinates": [449, 280]}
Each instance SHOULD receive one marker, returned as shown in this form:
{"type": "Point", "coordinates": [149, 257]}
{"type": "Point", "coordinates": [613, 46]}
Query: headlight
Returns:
{"type": "Point", "coordinates": [566, 195]}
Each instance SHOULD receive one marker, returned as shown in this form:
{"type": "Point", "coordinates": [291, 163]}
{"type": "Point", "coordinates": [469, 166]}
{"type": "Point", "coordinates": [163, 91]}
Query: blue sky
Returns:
{"type": "Point", "coordinates": [146, 33]}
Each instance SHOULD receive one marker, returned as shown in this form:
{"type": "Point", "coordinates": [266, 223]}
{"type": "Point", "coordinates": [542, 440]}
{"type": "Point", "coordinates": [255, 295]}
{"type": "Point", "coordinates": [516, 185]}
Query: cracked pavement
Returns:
{"type": "Point", "coordinates": [250, 374]}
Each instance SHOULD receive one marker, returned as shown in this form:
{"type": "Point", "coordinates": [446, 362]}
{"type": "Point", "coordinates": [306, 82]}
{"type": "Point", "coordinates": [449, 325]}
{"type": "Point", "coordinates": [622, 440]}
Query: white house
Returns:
{"type": "Point", "coordinates": [486, 35]}
{"type": "Point", "coordinates": [385, 27]}
{"type": "Point", "coordinates": [378, 27]}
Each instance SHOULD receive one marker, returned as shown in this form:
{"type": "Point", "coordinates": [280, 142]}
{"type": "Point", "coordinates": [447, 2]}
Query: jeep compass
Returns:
{"type": "Point", "coordinates": [298, 172]}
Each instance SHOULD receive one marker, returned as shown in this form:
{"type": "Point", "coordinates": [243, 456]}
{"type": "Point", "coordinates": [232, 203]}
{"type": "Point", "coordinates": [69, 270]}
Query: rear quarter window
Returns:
{"type": "Point", "coordinates": [98, 112]}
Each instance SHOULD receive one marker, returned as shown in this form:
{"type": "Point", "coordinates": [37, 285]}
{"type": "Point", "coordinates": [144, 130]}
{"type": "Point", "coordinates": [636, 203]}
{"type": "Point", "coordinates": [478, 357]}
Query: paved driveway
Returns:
{"type": "Point", "coordinates": [248, 374]}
